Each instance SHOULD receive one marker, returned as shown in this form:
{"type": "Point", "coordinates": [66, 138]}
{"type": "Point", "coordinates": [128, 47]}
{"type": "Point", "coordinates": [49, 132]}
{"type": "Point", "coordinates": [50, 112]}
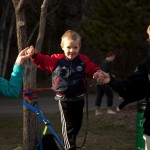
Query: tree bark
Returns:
{"type": "Point", "coordinates": [41, 32]}
{"type": "Point", "coordinates": [30, 135]}
{"type": "Point", "coordinates": [52, 10]}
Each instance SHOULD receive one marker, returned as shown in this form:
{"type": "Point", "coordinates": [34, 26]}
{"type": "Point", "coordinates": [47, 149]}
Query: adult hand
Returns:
{"type": "Point", "coordinates": [101, 77]}
{"type": "Point", "coordinates": [31, 51]}
{"type": "Point", "coordinates": [22, 56]}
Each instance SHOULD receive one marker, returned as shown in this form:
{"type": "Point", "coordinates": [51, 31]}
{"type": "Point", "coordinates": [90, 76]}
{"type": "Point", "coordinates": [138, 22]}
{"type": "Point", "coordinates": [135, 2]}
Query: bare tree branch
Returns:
{"type": "Point", "coordinates": [32, 33]}
{"type": "Point", "coordinates": [30, 135]}
{"type": "Point", "coordinates": [37, 24]}
{"type": "Point", "coordinates": [54, 9]}
{"type": "Point", "coordinates": [15, 3]}
{"type": "Point", "coordinates": [84, 8]}
{"type": "Point", "coordinates": [8, 45]}
{"type": "Point", "coordinates": [20, 24]}
{"type": "Point", "coordinates": [41, 32]}
{"type": "Point", "coordinates": [20, 5]}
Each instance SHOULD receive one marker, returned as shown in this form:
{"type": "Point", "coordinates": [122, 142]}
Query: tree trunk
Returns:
{"type": "Point", "coordinates": [29, 119]}
{"type": "Point", "coordinates": [30, 126]}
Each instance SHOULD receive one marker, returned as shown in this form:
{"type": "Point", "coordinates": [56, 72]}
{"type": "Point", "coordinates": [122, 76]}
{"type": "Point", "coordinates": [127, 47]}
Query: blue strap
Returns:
{"type": "Point", "coordinates": [36, 109]}
{"type": "Point", "coordinates": [39, 131]}
{"type": "Point", "coordinates": [32, 108]}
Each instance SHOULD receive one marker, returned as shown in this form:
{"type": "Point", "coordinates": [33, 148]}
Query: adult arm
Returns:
{"type": "Point", "coordinates": [12, 87]}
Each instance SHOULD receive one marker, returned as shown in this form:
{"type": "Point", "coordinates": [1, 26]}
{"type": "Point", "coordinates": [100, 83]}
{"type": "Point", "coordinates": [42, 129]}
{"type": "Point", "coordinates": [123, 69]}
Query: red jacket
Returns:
{"type": "Point", "coordinates": [68, 76]}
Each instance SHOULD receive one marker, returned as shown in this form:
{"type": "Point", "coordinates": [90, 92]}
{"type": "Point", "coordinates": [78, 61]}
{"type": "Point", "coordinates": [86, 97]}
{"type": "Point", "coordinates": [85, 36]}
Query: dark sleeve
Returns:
{"type": "Point", "coordinates": [117, 85]}
{"type": "Point", "coordinates": [147, 65]}
{"type": "Point", "coordinates": [144, 65]}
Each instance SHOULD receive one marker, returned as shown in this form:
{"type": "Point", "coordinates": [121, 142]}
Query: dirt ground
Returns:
{"type": "Point", "coordinates": [105, 132]}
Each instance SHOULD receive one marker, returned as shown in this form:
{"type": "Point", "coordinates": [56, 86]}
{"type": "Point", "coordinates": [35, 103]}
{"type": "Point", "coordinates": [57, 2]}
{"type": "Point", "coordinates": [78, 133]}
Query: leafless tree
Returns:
{"type": "Point", "coordinates": [30, 128]}
{"type": "Point", "coordinates": [30, 136]}
{"type": "Point", "coordinates": [47, 15]}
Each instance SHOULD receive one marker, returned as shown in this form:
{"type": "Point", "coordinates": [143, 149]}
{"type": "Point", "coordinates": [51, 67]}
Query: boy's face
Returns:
{"type": "Point", "coordinates": [71, 48]}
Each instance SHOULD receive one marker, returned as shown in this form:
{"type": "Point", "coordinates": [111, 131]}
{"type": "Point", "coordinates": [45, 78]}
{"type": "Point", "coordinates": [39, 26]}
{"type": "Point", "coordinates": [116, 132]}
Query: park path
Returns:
{"type": "Point", "coordinates": [47, 103]}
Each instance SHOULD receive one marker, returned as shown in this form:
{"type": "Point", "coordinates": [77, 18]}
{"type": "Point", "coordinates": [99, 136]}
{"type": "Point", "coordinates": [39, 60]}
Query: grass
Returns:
{"type": "Point", "coordinates": [11, 132]}
{"type": "Point", "coordinates": [105, 132]}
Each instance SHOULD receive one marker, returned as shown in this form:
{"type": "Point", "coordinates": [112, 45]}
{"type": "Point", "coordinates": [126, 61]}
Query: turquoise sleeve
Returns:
{"type": "Point", "coordinates": [12, 87]}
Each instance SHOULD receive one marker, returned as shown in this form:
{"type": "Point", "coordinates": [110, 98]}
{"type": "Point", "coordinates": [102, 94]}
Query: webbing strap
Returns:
{"type": "Point", "coordinates": [39, 132]}
{"type": "Point", "coordinates": [36, 109]}
{"type": "Point", "coordinates": [45, 129]}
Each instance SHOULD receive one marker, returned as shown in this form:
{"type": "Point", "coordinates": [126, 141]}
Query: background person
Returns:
{"type": "Point", "coordinates": [104, 89]}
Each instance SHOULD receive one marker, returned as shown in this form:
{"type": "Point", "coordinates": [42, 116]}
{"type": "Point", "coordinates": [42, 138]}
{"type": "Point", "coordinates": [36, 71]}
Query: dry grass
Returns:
{"type": "Point", "coordinates": [105, 132]}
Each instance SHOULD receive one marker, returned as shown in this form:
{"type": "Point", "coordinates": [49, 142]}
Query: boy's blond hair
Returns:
{"type": "Point", "coordinates": [72, 35]}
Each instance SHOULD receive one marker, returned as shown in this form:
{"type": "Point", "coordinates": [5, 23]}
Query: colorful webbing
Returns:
{"type": "Point", "coordinates": [45, 129]}
{"type": "Point", "coordinates": [28, 96]}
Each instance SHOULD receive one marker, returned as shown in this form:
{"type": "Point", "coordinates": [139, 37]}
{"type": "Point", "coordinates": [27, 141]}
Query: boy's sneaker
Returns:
{"type": "Point", "coordinates": [111, 112]}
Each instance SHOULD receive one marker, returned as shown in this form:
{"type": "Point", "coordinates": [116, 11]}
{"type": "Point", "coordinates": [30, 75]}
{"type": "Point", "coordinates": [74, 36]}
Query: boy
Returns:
{"type": "Point", "coordinates": [12, 87]}
{"type": "Point", "coordinates": [68, 82]}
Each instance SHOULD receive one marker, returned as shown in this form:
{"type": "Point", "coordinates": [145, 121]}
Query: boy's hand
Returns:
{"type": "Point", "coordinates": [101, 77]}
